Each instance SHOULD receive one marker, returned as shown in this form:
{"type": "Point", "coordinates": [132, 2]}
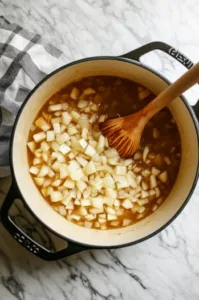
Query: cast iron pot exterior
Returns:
{"type": "Point", "coordinates": [14, 192]}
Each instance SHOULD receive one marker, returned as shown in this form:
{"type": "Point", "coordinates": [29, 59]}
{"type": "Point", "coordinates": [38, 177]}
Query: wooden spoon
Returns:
{"type": "Point", "coordinates": [124, 133]}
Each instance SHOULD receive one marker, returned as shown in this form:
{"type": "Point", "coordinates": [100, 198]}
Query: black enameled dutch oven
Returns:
{"type": "Point", "coordinates": [79, 238]}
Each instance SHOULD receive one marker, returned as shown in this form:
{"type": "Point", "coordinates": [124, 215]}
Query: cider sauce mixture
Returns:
{"type": "Point", "coordinates": [154, 166]}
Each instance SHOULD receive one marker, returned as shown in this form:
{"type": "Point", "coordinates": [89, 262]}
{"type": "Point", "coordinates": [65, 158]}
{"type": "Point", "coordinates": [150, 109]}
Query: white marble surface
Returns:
{"type": "Point", "coordinates": [166, 267]}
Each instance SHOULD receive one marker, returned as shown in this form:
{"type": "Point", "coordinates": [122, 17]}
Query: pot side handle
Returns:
{"type": "Point", "coordinates": [23, 239]}
{"type": "Point", "coordinates": [181, 58]}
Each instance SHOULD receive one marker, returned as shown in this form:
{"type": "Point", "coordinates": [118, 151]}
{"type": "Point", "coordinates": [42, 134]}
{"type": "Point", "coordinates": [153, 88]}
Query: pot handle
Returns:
{"type": "Point", "coordinates": [137, 53]}
{"type": "Point", "coordinates": [186, 62]}
{"type": "Point", "coordinates": [23, 239]}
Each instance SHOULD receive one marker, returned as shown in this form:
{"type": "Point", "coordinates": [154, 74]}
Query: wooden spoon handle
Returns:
{"type": "Point", "coordinates": [186, 81]}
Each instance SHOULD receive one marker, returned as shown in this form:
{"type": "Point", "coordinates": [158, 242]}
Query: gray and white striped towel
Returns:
{"type": "Point", "coordinates": [25, 59]}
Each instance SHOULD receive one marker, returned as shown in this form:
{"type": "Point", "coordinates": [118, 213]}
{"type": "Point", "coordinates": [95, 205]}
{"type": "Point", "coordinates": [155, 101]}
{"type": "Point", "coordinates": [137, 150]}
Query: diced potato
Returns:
{"type": "Point", "coordinates": [62, 210]}
{"type": "Point", "coordinates": [51, 173]}
{"type": "Point", "coordinates": [57, 128]}
{"type": "Point", "coordinates": [83, 162]}
{"type": "Point", "coordinates": [82, 103]}
{"type": "Point", "coordinates": [84, 133]}
{"type": "Point", "coordinates": [145, 173]}
{"type": "Point", "coordinates": [154, 207]}
{"type": "Point", "coordinates": [47, 182]}
{"type": "Point", "coordinates": [64, 149]}
{"type": "Point", "coordinates": [167, 160]}
{"type": "Point", "coordinates": [38, 137]}
{"type": "Point", "coordinates": [95, 210]}
{"type": "Point", "coordinates": [70, 205]}
{"type": "Point", "coordinates": [127, 204]}
{"type": "Point", "coordinates": [155, 171]}
{"type": "Point", "coordinates": [145, 153]}
{"type": "Point", "coordinates": [63, 171]}
{"type": "Point", "coordinates": [89, 91]}
{"type": "Point", "coordinates": [90, 217]}
{"type": "Point", "coordinates": [110, 210]}
{"type": "Point", "coordinates": [126, 222]}
{"type": "Point", "coordinates": [55, 107]}
{"type": "Point", "coordinates": [70, 184]}
{"type": "Point", "coordinates": [42, 124]}
{"type": "Point", "coordinates": [163, 177]}
{"type": "Point", "coordinates": [56, 120]}
{"type": "Point", "coordinates": [88, 224]}
{"type": "Point", "coordinates": [141, 209]}
{"type": "Point", "coordinates": [81, 185]}
{"type": "Point", "coordinates": [157, 192]}
{"type": "Point", "coordinates": [111, 193]}
{"type": "Point", "coordinates": [34, 170]}
{"type": "Point", "coordinates": [153, 182]}
{"type": "Point", "coordinates": [111, 217]}
{"type": "Point", "coordinates": [114, 223]}
{"type": "Point", "coordinates": [137, 155]}
{"type": "Point", "coordinates": [90, 151]}
{"type": "Point", "coordinates": [43, 171]}
{"type": "Point", "coordinates": [120, 170]}
{"type": "Point", "coordinates": [108, 182]}
{"type": "Point", "coordinates": [36, 161]}
{"type": "Point", "coordinates": [66, 118]}
{"type": "Point", "coordinates": [90, 168]}
{"type": "Point", "coordinates": [83, 143]}
{"type": "Point", "coordinates": [75, 115]}
{"type": "Point", "coordinates": [131, 180]}
{"type": "Point", "coordinates": [82, 211]}
{"type": "Point", "coordinates": [56, 196]}
{"type": "Point", "coordinates": [75, 217]}
{"type": "Point", "coordinates": [45, 146]}
{"type": "Point", "coordinates": [144, 186]}
{"type": "Point", "coordinates": [144, 94]}
{"type": "Point", "coordinates": [32, 146]}
{"type": "Point", "coordinates": [50, 136]}
{"type": "Point", "coordinates": [116, 203]}
{"type": "Point", "coordinates": [56, 183]}
{"type": "Point", "coordinates": [85, 202]}
{"type": "Point", "coordinates": [62, 138]}
{"type": "Point", "coordinates": [74, 93]}
{"type": "Point", "coordinates": [75, 170]}
{"type": "Point", "coordinates": [142, 202]}
{"type": "Point", "coordinates": [97, 202]}
{"type": "Point", "coordinates": [156, 133]}
{"type": "Point", "coordinates": [72, 130]}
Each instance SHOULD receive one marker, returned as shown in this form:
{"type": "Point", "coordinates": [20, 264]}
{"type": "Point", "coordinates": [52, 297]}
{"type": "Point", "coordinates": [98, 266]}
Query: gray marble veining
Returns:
{"type": "Point", "coordinates": [165, 267]}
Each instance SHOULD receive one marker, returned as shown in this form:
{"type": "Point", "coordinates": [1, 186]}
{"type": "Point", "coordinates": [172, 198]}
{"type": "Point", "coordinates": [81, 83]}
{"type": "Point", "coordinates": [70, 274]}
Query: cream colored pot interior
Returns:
{"type": "Point", "coordinates": [114, 237]}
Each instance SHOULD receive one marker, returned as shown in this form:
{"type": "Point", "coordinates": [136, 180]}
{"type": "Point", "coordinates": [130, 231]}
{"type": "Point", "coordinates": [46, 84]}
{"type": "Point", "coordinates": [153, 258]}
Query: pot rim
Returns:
{"type": "Point", "coordinates": [131, 61]}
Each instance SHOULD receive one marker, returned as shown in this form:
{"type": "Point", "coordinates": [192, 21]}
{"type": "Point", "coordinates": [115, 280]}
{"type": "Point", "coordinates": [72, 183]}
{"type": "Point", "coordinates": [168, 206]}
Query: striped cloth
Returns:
{"type": "Point", "coordinates": [25, 59]}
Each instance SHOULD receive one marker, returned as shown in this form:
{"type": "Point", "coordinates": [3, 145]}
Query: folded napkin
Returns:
{"type": "Point", "coordinates": [25, 59]}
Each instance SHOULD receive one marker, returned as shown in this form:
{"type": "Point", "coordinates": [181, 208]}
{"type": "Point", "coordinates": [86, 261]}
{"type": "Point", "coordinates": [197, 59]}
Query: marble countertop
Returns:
{"type": "Point", "coordinates": [165, 267]}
